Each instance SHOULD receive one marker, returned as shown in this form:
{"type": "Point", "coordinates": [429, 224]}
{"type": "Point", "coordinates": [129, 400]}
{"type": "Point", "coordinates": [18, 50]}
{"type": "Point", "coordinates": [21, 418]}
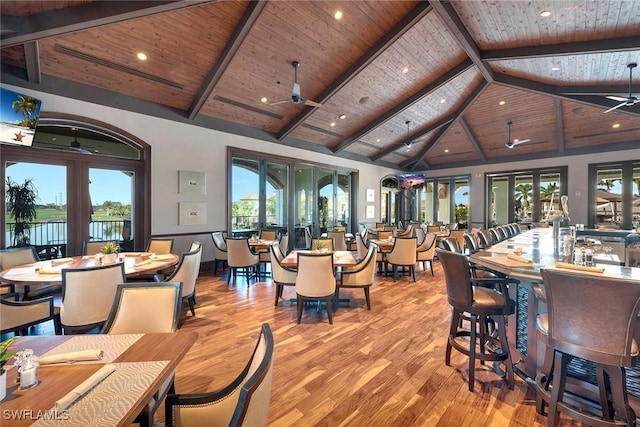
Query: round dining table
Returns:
{"type": "Point", "coordinates": [50, 272]}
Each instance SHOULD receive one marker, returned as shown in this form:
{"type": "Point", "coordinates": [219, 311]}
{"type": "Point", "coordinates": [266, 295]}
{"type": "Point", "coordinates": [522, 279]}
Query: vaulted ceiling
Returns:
{"type": "Point", "coordinates": [444, 76]}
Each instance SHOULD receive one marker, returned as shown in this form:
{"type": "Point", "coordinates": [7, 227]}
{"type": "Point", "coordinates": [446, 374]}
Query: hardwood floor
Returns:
{"type": "Point", "coordinates": [383, 367]}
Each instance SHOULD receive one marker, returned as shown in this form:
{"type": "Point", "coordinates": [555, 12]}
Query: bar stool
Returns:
{"type": "Point", "coordinates": [481, 306]}
{"type": "Point", "coordinates": [597, 323]}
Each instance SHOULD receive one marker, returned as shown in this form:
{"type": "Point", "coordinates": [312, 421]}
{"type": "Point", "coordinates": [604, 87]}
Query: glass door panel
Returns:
{"type": "Point", "coordinates": [277, 189]}
{"type": "Point", "coordinates": [325, 200]}
{"type": "Point", "coordinates": [444, 203]}
{"type": "Point", "coordinates": [609, 197]}
{"type": "Point", "coordinates": [523, 199]}
{"type": "Point", "coordinates": [549, 194]}
{"type": "Point", "coordinates": [343, 202]}
{"type": "Point", "coordinates": [245, 203]}
{"type": "Point", "coordinates": [427, 216]}
{"type": "Point", "coordinates": [499, 201]}
{"type": "Point", "coordinates": [304, 202]}
{"type": "Point", "coordinates": [48, 229]}
{"type": "Point", "coordinates": [635, 207]}
{"type": "Point", "coordinates": [111, 216]}
{"type": "Point", "coordinates": [462, 202]}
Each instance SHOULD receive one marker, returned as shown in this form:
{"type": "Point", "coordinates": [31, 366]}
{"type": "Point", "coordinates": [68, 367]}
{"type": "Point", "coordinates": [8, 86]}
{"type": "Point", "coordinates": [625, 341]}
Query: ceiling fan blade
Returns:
{"type": "Point", "coordinates": [312, 103]}
{"type": "Point", "coordinates": [617, 98]}
{"type": "Point", "coordinates": [521, 141]}
{"type": "Point", "coordinates": [286, 101]}
{"type": "Point", "coordinates": [617, 106]}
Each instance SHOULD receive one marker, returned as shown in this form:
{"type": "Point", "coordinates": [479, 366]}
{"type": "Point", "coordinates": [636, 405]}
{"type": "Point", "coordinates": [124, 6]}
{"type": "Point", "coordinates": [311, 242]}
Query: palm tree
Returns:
{"type": "Point", "coordinates": [548, 190]}
{"type": "Point", "coordinates": [523, 193]}
{"type": "Point", "coordinates": [27, 106]}
{"type": "Point", "coordinates": [21, 206]}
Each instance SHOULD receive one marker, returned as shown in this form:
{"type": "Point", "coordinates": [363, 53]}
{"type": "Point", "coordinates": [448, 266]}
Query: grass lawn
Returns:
{"type": "Point", "coordinates": [52, 215]}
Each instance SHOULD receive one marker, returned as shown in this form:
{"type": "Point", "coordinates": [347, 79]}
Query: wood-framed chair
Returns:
{"type": "Point", "coordinates": [88, 295]}
{"type": "Point", "coordinates": [426, 251]}
{"type": "Point", "coordinates": [323, 242]}
{"type": "Point", "coordinates": [244, 402]}
{"type": "Point", "coordinates": [220, 255]}
{"type": "Point", "coordinates": [241, 258]}
{"type": "Point", "coordinates": [477, 301]}
{"type": "Point", "coordinates": [315, 280]}
{"type": "Point", "coordinates": [160, 245]}
{"type": "Point", "coordinates": [93, 247]}
{"type": "Point", "coordinates": [339, 240]}
{"type": "Point", "coordinates": [308, 237]}
{"type": "Point", "coordinates": [283, 243]}
{"type": "Point", "coordinates": [268, 234]}
{"type": "Point", "coordinates": [187, 272]}
{"type": "Point", "coordinates": [282, 276]}
{"type": "Point", "coordinates": [403, 255]}
{"type": "Point", "coordinates": [360, 276]}
{"type": "Point", "coordinates": [17, 316]}
{"type": "Point", "coordinates": [14, 257]}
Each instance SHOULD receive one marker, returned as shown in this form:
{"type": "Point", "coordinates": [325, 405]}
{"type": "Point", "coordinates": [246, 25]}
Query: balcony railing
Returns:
{"type": "Point", "coordinates": [55, 232]}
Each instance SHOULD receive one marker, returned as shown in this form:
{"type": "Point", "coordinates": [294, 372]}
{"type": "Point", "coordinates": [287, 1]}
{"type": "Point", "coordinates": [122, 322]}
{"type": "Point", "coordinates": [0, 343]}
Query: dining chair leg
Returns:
{"type": "Point", "coordinates": [191, 301]}
{"type": "Point", "coordinates": [300, 301]}
{"type": "Point", "coordinates": [329, 311]}
{"type": "Point", "coordinates": [366, 297]}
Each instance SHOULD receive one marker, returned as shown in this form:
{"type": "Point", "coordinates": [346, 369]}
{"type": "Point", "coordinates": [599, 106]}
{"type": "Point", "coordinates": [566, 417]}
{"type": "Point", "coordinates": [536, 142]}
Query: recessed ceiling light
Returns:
{"type": "Point", "coordinates": [141, 56]}
{"type": "Point", "coordinates": [338, 15]}
{"type": "Point", "coordinates": [332, 124]}
{"type": "Point", "coordinates": [442, 101]}
{"type": "Point", "coordinates": [446, 150]}
{"type": "Point", "coordinates": [545, 13]}
{"type": "Point", "coordinates": [342, 116]}
{"type": "Point", "coordinates": [615, 125]}
{"type": "Point", "coordinates": [54, 139]}
{"type": "Point", "coordinates": [405, 70]}
{"type": "Point", "coordinates": [377, 139]}
{"type": "Point", "coordinates": [555, 68]}
{"type": "Point", "coordinates": [501, 102]}
{"type": "Point", "coordinates": [264, 99]}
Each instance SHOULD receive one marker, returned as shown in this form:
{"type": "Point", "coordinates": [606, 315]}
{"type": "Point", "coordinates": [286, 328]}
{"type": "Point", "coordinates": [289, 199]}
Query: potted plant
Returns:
{"type": "Point", "coordinates": [320, 246]}
{"type": "Point", "coordinates": [21, 206]}
{"type": "Point", "coordinates": [5, 355]}
{"type": "Point", "coordinates": [110, 251]}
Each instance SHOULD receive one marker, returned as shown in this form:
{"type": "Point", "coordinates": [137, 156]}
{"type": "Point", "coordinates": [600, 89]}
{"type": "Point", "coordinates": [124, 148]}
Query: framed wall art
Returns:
{"type": "Point", "coordinates": [191, 182]}
{"type": "Point", "coordinates": [193, 213]}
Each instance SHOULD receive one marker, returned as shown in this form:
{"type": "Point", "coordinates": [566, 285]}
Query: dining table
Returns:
{"type": "Point", "coordinates": [130, 369]}
{"type": "Point", "coordinates": [340, 258]}
{"type": "Point", "coordinates": [49, 272]}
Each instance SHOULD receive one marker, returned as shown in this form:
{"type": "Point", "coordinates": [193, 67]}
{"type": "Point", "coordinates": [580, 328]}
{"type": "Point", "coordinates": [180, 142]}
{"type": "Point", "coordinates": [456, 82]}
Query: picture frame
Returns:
{"type": "Point", "coordinates": [192, 213]}
{"type": "Point", "coordinates": [192, 182]}
{"type": "Point", "coordinates": [632, 257]}
{"type": "Point", "coordinates": [371, 210]}
{"type": "Point", "coordinates": [371, 195]}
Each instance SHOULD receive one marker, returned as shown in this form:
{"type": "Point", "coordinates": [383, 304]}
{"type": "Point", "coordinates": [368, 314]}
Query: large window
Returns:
{"type": "Point", "coordinates": [261, 187]}
{"type": "Point", "coordinates": [524, 196]}
{"type": "Point", "coordinates": [89, 179]}
{"type": "Point", "coordinates": [444, 201]}
{"type": "Point", "coordinates": [614, 195]}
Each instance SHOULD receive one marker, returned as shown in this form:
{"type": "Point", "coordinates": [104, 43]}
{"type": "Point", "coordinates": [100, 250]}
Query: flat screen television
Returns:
{"type": "Point", "coordinates": [415, 180]}
{"type": "Point", "coordinates": [19, 114]}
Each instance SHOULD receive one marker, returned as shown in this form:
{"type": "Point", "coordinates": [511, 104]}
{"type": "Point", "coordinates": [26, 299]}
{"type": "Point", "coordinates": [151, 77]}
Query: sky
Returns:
{"type": "Point", "coordinates": [50, 181]}
{"type": "Point", "coordinates": [8, 114]}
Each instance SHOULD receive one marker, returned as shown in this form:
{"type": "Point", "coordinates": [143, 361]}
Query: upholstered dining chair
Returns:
{"type": "Point", "coordinates": [361, 247]}
{"type": "Point", "coordinates": [219, 250]}
{"type": "Point", "coordinates": [496, 235]}
{"type": "Point", "coordinates": [360, 276]}
{"type": "Point", "coordinates": [307, 237]}
{"type": "Point", "coordinates": [420, 234]}
{"type": "Point", "coordinates": [476, 301]}
{"type": "Point", "coordinates": [87, 296]}
{"type": "Point", "coordinates": [451, 244]}
{"type": "Point", "coordinates": [384, 234]}
{"type": "Point", "coordinates": [339, 240]}
{"type": "Point", "coordinates": [340, 228]}
{"type": "Point", "coordinates": [403, 255]}
{"type": "Point", "coordinates": [315, 280]}
{"type": "Point", "coordinates": [240, 257]}
{"type": "Point", "coordinates": [326, 243]}
{"type": "Point", "coordinates": [187, 272]}
{"type": "Point", "coordinates": [14, 257]}
{"type": "Point", "coordinates": [244, 402]}
{"type": "Point", "coordinates": [598, 324]}
{"type": "Point", "coordinates": [281, 275]}
{"type": "Point", "coordinates": [433, 228]}
{"type": "Point", "coordinates": [407, 232]}
{"type": "Point", "coordinates": [485, 238]}
{"type": "Point", "coordinates": [268, 234]}
{"type": "Point", "coordinates": [16, 316]}
{"type": "Point", "coordinates": [93, 247]}
{"type": "Point", "coordinates": [426, 251]}
{"type": "Point", "coordinates": [159, 245]}
{"type": "Point", "coordinates": [459, 236]}
{"type": "Point", "coordinates": [284, 244]}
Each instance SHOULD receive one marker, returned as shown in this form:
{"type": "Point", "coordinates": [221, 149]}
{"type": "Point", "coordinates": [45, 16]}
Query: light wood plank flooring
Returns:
{"type": "Point", "coordinates": [383, 367]}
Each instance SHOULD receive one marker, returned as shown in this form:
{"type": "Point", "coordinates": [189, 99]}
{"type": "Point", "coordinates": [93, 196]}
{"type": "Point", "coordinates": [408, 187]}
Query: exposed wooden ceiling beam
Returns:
{"type": "Point", "coordinates": [393, 147]}
{"type": "Point", "coordinates": [408, 22]}
{"type": "Point", "coordinates": [442, 80]}
{"type": "Point", "coordinates": [473, 139]}
{"type": "Point", "coordinates": [88, 15]}
{"type": "Point", "coordinates": [559, 125]}
{"type": "Point", "coordinates": [32, 61]}
{"type": "Point", "coordinates": [618, 90]}
{"type": "Point", "coordinates": [459, 31]}
{"type": "Point", "coordinates": [459, 113]}
{"type": "Point", "coordinates": [575, 48]}
{"type": "Point", "coordinates": [545, 89]}
{"type": "Point", "coordinates": [251, 14]}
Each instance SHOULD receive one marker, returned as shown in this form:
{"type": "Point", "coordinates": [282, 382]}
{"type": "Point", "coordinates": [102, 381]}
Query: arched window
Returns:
{"type": "Point", "coordinates": [90, 178]}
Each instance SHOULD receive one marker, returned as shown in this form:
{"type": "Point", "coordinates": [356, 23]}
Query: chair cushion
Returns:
{"type": "Point", "coordinates": [485, 297]}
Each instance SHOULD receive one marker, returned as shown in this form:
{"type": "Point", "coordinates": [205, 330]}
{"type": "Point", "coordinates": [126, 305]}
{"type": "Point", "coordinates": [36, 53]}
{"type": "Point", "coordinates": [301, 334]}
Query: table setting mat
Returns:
{"type": "Point", "coordinates": [108, 402]}
{"type": "Point", "coordinates": [112, 346]}
{"type": "Point", "coordinates": [504, 260]}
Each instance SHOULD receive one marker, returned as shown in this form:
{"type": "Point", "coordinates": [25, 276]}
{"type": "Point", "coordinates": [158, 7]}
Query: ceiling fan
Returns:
{"type": "Point", "coordinates": [630, 100]}
{"type": "Point", "coordinates": [510, 144]}
{"type": "Point", "coordinates": [296, 98]}
{"type": "Point", "coordinates": [75, 145]}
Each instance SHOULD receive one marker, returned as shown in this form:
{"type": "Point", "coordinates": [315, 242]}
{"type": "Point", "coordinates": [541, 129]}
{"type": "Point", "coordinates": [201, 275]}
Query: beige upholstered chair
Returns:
{"type": "Point", "coordinates": [339, 240]}
{"type": "Point", "coordinates": [240, 257]}
{"type": "Point", "coordinates": [244, 402]}
{"type": "Point", "coordinates": [426, 251]}
{"type": "Point", "coordinates": [407, 232]}
{"type": "Point", "coordinates": [307, 237]}
{"type": "Point", "coordinates": [187, 272]}
{"type": "Point", "coordinates": [384, 234]}
{"type": "Point", "coordinates": [93, 247]}
{"type": "Point", "coordinates": [327, 243]}
{"type": "Point", "coordinates": [145, 308]}
{"type": "Point", "coordinates": [18, 315]}
{"type": "Point", "coordinates": [485, 239]}
{"type": "Point", "coordinates": [340, 229]}
{"type": "Point", "coordinates": [361, 247]}
{"type": "Point", "coordinates": [403, 255]}
{"type": "Point", "coordinates": [13, 257]}
{"type": "Point", "coordinates": [282, 276]}
{"type": "Point", "coordinates": [268, 235]}
{"type": "Point", "coordinates": [360, 276]}
{"type": "Point", "coordinates": [160, 246]}
{"type": "Point", "coordinates": [219, 250]}
{"type": "Point", "coordinates": [433, 228]}
{"type": "Point", "coordinates": [87, 296]}
{"type": "Point", "coordinates": [284, 244]}
{"type": "Point", "coordinates": [315, 280]}
{"type": "Point", "coordinates": [420, 234]}
{"type": "Point", "coordinates": [459, 236]}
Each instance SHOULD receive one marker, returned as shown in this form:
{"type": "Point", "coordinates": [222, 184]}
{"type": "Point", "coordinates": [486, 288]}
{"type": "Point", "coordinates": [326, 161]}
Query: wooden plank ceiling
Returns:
{"type": "Point", "coordinates": [444, 77]}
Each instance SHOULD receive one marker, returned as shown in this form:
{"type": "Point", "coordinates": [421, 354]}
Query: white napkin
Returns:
{"type": "Point", "coordinates": [569, 266]}
{"type": "Point", "coordinates": [65, 401]}
{"type": "Point", "coordinates": [49, 270]}
{"type": "Point", "coordinates": [132, 254]}
{"type": "Point", "coordinates": [73, 356]}
{"type": "Point", "coordinates": [519, 258]}
{"type": "Point", "coordinates": [164, 257]}
{"type": "Point", "coordinates": [60, 261]}
{"type": "Point", "coordinates": [145, 262]}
